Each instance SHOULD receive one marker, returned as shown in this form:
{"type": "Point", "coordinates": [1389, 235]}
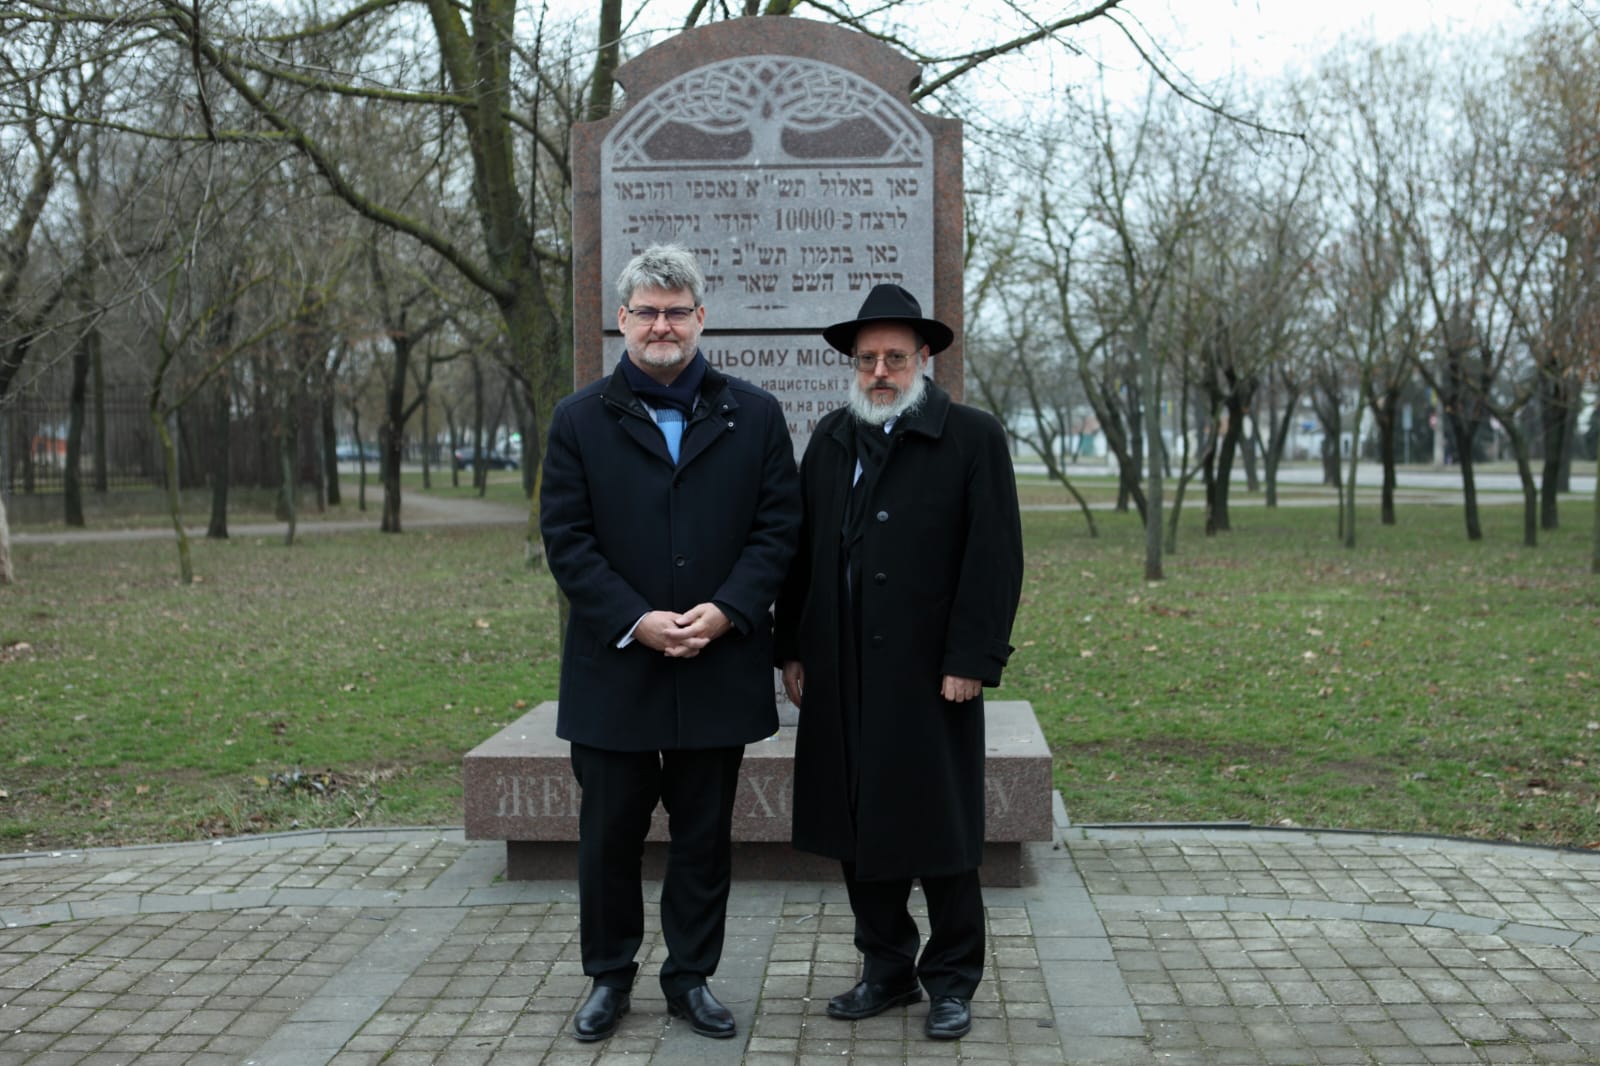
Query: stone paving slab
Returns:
{"type": "Point", "coordinates": [1136, 946]}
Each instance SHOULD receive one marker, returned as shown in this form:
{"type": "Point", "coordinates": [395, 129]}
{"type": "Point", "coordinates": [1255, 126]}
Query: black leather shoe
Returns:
{"type": "Point", "coordinates": [949, 1018]}
{"type": "Point", "coordinates": [867, 999]}
{"type": "Point", "coordinates": [600, 1013]}
{"type": "Point", "coordinates": [706, 1016]}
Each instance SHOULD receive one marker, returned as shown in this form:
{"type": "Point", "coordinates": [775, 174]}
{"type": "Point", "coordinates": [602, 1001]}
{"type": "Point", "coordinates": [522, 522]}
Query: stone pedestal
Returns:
{"type": "Point", "coordinates": [520, 789]}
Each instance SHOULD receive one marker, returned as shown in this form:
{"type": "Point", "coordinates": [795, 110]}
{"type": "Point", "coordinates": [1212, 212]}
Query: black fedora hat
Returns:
{"type": "Point", "coordinates": [890, 303]}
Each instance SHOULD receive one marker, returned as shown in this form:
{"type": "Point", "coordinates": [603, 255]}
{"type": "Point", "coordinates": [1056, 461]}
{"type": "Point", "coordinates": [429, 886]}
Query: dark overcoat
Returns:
{"type": "Point", "coordinates": [627, 532]}
{"type": "Point", "coordinates": [941, 577]}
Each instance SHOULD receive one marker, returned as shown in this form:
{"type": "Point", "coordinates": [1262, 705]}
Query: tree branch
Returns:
{"type": "Point", "coordinates": [329, 169]}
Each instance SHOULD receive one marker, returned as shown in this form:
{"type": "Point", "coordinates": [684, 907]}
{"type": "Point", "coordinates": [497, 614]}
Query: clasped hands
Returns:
{"type": "Point", "coordinates": [682, 636]}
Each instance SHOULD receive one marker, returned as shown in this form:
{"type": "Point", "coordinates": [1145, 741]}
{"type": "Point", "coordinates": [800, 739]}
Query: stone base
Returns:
{"type": "Point", "coordinates": [520, 789]}
{"type": "Point", "coordinates": [1004, 865]}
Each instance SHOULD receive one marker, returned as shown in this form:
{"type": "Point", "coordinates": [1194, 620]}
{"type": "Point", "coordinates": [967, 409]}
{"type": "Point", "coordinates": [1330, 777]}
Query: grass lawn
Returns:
{"type": "Point", "coordinates": [1417, 683]}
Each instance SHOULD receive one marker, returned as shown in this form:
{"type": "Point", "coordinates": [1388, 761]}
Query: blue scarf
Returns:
{"type": "Point", "coordinates": [679, 395]}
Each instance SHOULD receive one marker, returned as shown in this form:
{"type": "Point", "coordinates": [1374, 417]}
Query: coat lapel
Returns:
{"type": "Point", "coordinates": [634, 417]}
{"type": "Point", "coordinates": [716, 413]}
{"type": "Point", "coordinates": [928, 419]}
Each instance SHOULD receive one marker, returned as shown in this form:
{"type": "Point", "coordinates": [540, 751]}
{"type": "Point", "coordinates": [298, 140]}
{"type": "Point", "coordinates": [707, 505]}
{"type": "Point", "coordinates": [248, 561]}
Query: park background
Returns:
{"type": "Point", "coordinates": [303, 270]}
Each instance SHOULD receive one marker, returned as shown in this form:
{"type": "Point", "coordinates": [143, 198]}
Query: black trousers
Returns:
{"type": "Point", "coordinates": [620, 790]}
{"type": "Point", "coordinates": [887, 936]}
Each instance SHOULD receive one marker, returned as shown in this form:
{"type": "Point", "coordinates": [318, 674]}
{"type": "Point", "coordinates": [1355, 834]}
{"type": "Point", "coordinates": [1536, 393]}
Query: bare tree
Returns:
{"type": "Point", "coordinates": [42, 132]}
{"type": "Point", "coordinates": [1015, 356]}
{"type": "Point", "coordinates": [1554, 85]}
{"type": "Point", "coordinates": [1149, 205]}
{"type": "Point", "coordinates": [1479, 277]}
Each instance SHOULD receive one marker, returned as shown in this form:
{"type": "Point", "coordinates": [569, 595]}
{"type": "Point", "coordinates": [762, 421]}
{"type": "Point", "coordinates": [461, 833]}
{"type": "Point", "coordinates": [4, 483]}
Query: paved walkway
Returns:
{"type": "Point", "coordinates": [1132, 946]}
{"type": "Point", "coordinates": [418, 510]}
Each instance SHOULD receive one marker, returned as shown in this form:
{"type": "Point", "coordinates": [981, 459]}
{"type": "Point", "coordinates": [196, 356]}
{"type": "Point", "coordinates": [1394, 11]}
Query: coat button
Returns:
{"type": "Point", "coordinates": [880, 579]}
{"type": "Point", "coordinates": [679, 561]}
{"type": "Point", "coordinates": [883, 516]}
{"type": "Point", "coordinates": [877, 640]}
{"type": "Point", "coordinates": [730, 425]}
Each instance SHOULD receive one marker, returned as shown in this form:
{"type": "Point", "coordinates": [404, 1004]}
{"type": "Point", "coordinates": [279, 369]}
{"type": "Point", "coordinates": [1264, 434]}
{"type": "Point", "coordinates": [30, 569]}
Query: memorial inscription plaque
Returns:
{"type": "Point", "coordinates": [798, 184]}
{"type": "Point", "coordinates": [785, 154]}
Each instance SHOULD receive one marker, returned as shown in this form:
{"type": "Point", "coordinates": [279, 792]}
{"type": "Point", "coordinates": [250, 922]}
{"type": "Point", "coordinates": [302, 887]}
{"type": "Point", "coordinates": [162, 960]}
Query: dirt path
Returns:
{"type": "Point", "coordinates": [417, 511]}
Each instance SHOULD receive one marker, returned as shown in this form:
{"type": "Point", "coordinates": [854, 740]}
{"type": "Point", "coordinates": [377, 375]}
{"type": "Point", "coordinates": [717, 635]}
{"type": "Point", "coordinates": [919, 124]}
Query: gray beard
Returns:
{"type": "Point", "coordinates": [877, 414]}
{"type": "Point", "coordinates": [677, 357]}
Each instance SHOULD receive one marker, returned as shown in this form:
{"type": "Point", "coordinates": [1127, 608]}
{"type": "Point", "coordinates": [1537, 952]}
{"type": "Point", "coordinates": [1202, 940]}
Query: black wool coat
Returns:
{"type": "Point", "coordinates": [941, 578]}
{"type": "Point", "coordinates": [627, 532]}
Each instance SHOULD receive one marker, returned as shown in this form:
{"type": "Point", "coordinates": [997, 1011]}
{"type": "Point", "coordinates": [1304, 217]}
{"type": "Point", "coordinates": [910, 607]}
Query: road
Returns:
{"type": "Point", "coordinates": [420, 510]}
{"type": "Point", "coordinates": [1497, 478]}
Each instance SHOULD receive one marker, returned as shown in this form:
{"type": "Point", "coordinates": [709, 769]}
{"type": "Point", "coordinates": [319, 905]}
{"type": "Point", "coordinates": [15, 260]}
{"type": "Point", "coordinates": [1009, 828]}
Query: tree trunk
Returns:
{"type": "Point", "coordinates": [521, 409]}
{"type": "Point", "coordinates": [480, 472]}
{"type": "Point", "coordinates": [330, 441]}
{"type": "Point", "coordinates": [1185, 471]}
{"type": "Point", "coordinates": [221, 456]}
{"type": "Point", "coordinates": [1218, 520]}
{"type": "Point", "coordinates": [8, 574]}
{"type": "Point", "coordinates": [1384, 417]}
{"type": "Point", "coordinates": [1570, 437]}
{"type": "Point", "coordinates": [602, 83]}
{"type": "Point", "coordinates": [1247, 456]}
{"type": "Point", "coordinates": [427, 443]}
{"type": "Point", "coordinates": [392, 433]}
{"type": "Point", "coordinates": [1115, 430]}
{"type": "Point", "coordinates": [282, 439]}
{"type": "Point", "coordinates": [1594, 540]}
{"type": "Point", "coordinates": [1136, 432]}
{"type": "Point", "coordinates": [72, 484]}
{"type": "Point", "coordinates": [389, 449]}
{"type": "Point", "coordinates": [169, 463]}
{"type": "Point", "coordinates": [1348, 524]}
{"type": "Point", "coordinates": [102, 458]}
{"type": "Point", "coordinates": [1557, 406]}
{"type": "Point", "coordinates": [1460, 435]}
{"type": "Point", "coordinates": [1530, 493]}
{"type": "Point", "coordinates": [1277, 442]}
{"type": "Point", "coordinates": [1150, 394]}
{"type": "Point", "coordinates": [290, 496]}
{"type": "Point", "coordinates": [361, 457]}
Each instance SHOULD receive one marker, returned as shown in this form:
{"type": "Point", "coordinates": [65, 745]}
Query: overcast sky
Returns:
{"type": "Point", "coordinates": [1263, 37]}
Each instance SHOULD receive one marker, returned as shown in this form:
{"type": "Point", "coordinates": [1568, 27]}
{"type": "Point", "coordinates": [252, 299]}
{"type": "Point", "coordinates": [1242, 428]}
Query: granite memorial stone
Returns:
{"type": "Point", "coordinates": [786, 154]}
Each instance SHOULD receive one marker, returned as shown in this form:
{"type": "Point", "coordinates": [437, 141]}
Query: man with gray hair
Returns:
{"type": "Point", "coordinates": [670, 510]}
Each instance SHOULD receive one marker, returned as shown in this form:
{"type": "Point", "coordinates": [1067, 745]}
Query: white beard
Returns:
{"type": "Point", "coordinates": [877, 414]}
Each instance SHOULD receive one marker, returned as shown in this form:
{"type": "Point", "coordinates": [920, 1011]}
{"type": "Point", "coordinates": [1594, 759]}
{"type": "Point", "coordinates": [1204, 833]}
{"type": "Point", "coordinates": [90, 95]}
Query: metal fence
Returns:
{"type": "Point", "coordinates": [34, 431]}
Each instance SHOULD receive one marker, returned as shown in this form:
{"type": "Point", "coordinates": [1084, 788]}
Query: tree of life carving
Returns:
{"type": "Point", "coordinates": [763, 98]}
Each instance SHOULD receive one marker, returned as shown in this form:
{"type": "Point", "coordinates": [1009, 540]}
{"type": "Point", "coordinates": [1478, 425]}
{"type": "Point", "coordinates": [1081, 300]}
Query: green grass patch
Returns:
{"type": "Point", "coordinates": [1417, 683]}
{"type": "Point", "coordinates": [134, 709]}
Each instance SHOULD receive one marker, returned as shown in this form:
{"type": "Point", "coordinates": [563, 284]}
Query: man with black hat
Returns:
{"type": "Point", "coordinates": [670, 509]}
{"type": "Point", "coordinates": [896, 613]}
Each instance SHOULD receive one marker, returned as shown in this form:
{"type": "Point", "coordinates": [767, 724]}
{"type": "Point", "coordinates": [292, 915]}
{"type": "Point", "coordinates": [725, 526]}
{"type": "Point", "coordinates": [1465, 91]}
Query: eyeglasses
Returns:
{"type": "Point", "coordinates": [677, 316]}
{"type": "Point", "coordinates": [866, 363]}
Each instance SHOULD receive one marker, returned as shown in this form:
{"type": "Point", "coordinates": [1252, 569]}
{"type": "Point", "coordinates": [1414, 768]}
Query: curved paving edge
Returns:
{"type": "Point", "coordinates": [1133, 945]}
{"type": "Point", "coordinates": [473, 884]}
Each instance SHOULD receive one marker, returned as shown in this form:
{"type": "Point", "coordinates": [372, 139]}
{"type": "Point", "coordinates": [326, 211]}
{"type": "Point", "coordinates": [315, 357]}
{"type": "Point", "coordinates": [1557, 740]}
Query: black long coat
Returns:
{"type": "Point", "coordinates": [627, 532]}
{"type": "Point", "coordinates": [941, 577]}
